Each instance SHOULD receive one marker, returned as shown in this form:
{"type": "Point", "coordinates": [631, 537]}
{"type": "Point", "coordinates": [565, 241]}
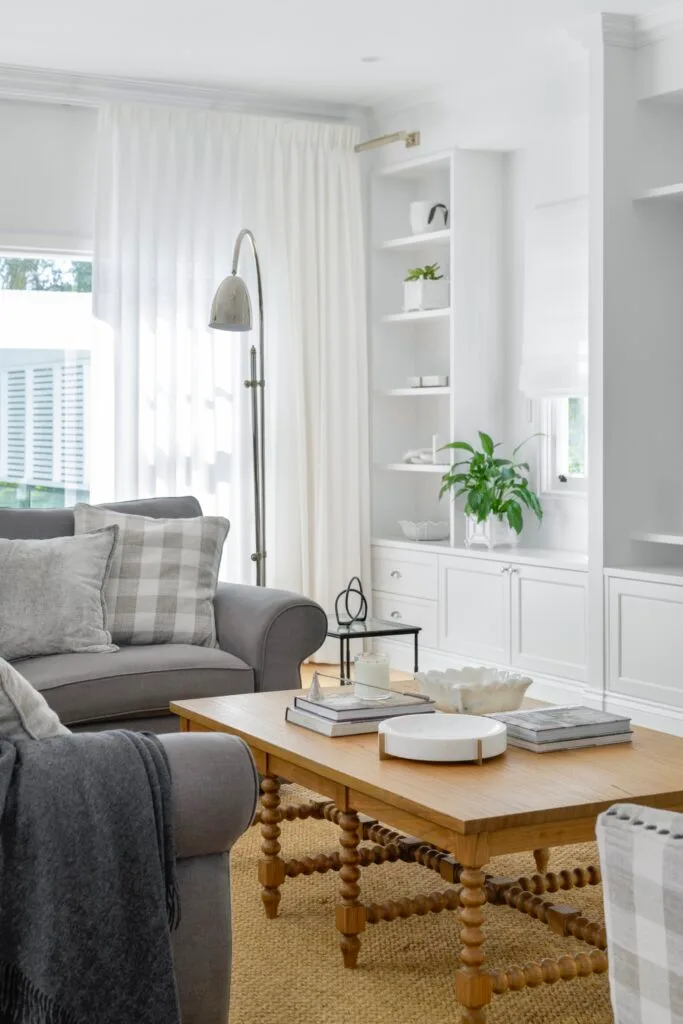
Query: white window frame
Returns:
{"type": "Point", "coordinates": [550, 472]}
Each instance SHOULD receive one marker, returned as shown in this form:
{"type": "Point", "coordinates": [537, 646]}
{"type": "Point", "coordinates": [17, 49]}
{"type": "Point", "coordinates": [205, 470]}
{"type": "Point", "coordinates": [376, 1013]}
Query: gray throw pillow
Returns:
{"type": "Point", "coordinates": [163, 577]}
{"type": "Point", "coordinates": [24, 713]}
{"type": "Point", "coordinates": [51, 595]}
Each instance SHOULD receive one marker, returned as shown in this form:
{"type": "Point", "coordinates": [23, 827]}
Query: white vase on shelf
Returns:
{"type": "Point", "coordinates": [492, 532]}
{"type": "Point", "coordinates": [418, 295]}
{"type": "Point", "coordinates": [428, 215]}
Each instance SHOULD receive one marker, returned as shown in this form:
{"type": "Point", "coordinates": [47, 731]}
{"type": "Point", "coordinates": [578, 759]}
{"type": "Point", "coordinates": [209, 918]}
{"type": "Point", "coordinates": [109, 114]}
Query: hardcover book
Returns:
{"type": "Point", "coordinates": [571, 722]}
{"type": "Point", "coordinates": [348, 703]}
{"type": "Point", "coordinates": [588, 741]}
{"type": "Point", "coordinates": [328, 728]}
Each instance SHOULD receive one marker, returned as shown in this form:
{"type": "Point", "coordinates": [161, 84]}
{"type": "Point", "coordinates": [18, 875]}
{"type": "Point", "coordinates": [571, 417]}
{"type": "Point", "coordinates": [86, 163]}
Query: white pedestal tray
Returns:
{"type": "Point", "coordinates": [442, 738]}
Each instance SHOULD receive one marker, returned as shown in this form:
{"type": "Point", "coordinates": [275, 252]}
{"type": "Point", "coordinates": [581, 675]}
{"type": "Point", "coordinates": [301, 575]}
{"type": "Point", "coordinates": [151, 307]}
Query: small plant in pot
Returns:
{"type": "Point", "coordinates": [425, 288]}
{"type": "Point", "coordinates": [497, 492]}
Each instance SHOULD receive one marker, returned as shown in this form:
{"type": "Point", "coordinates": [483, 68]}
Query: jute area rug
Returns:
{"type": "Point", "coordinates": [289, 971]}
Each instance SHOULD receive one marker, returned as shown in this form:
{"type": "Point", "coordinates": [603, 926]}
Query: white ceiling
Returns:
{"type": "Point", "coordinates": [302, 48]}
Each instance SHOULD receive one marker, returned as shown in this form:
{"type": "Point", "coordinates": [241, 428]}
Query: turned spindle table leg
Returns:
{"type": "Point", "coordinates": [542, 858]}
{"type": "Point", "coordinates": [271, 869]}
{"type": "Point", "coordinates": [350, 915]}
{"type": "Point", "coordinates": [473, 984]}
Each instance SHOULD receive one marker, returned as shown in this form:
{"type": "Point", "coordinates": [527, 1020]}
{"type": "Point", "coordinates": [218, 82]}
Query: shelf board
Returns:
{"type": "Point", "coordinates": [418, 314]}
{"type": "Point", "coordinates": [403, 392]}
{"type": "Point", "coordinates": [416, 167]}
{"type": "Point", "coordinates": [657, 538]}
{"type": "Point", "coordinates": [442, 237]}
{"type": "Point", "coordinates": [410, 467]}
{"type": "Point", "coordinates": [664, 192]}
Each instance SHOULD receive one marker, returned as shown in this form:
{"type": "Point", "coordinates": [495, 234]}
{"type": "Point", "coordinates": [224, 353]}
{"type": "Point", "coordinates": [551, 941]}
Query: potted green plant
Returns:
{"type": "Point", "coordinates": [497, 492]}
{"type": "Point", "coordinates": [425, 288]}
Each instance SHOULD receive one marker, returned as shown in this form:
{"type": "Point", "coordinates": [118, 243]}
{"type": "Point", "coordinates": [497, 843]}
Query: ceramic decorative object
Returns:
{"type": "Point", "coordinates": [418, 456]}
{"type": "Point", "coordinates": [491, 533]}
{"type": "Point", "coordinates": [428, 215]}
{"type": "Point", "coordinates": [425, 294]}
{"type": "Point", "coordinates": [475, 690]}
{"type": "Point", "coordinates": [442, 737]}
{"type": "Point", "coordinates": [426, 530]}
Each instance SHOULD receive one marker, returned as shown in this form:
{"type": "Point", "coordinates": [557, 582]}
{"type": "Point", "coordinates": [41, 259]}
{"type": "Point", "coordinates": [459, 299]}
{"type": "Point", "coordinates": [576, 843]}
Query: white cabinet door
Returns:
{"type": "Point", "coordinates": [474, 608]}
{"type": "Point", "coordinates": [645, 640]}
{"type": "Point", "coordinates": [549, 621]}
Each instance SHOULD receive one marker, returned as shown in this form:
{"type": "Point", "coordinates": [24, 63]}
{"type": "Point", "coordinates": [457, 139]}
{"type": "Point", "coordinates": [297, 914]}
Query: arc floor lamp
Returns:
{"type": "Point", "coordinates": [231, 311]}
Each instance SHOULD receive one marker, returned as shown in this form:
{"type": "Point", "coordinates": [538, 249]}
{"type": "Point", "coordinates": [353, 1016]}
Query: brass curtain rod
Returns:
{"type": "Point", "coordinates": [410, 138]}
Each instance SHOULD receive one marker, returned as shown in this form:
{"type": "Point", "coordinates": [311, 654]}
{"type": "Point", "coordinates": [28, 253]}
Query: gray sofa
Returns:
{"type": "Point", "coordinates": [264, 636]}
{"type": "Point", "coordinates": [215, 788]}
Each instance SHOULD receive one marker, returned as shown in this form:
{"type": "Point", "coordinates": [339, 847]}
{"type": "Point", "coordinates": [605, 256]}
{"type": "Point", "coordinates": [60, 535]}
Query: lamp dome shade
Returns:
{"type": "Point", "coordinates": [231, 306]}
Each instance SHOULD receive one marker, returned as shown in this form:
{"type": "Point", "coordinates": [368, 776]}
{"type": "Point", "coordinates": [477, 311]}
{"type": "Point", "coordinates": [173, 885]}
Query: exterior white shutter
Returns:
{"type": "Point", "coordinates": [16, 425]}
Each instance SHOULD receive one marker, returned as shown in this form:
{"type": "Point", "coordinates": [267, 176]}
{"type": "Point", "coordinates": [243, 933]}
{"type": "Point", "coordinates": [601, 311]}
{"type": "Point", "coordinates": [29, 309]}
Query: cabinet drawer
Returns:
{"type": "Point", "coordinates": [401, 571]}
{"type": "Point", "coordinates": [412, 611]}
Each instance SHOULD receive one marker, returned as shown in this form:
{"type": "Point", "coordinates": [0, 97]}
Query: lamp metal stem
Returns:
{"type": "Point", "coordinates": [258, 416]}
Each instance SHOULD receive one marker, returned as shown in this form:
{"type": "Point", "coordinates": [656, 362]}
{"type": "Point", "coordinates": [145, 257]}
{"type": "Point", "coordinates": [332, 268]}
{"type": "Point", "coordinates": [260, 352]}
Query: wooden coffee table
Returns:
{"type": "Point", "coordinates": [450, 818]}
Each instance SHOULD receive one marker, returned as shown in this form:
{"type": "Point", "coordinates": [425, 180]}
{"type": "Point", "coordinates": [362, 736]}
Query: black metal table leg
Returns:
{"type": "Point", "coordinates": [416, 662]}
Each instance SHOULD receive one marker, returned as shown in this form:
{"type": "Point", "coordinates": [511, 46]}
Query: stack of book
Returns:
{"type": "Point", "coordinates": [564, 728]}
{"type": "Point", "coordinates": [351, 710]}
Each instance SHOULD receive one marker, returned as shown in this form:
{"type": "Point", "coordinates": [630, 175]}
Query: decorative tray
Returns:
{"type": "Point", "coordinates": [442, 738]}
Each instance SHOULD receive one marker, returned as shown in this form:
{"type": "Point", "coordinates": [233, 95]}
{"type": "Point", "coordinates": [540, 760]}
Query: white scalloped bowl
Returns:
{"type": "Point", "coordinates": [443, 737]}
{"type": "Point", "coordinates": [426, 530]}
{"type": "Point", "coordinates": [474, 690]}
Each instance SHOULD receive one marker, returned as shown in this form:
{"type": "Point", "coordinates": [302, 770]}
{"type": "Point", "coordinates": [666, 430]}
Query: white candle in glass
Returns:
{"type": "Point", "coordinates": [372, 670]}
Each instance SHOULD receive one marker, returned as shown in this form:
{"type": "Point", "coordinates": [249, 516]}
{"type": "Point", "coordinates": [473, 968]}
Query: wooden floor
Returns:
{"type": "Point", "coordinates": [333, 670]}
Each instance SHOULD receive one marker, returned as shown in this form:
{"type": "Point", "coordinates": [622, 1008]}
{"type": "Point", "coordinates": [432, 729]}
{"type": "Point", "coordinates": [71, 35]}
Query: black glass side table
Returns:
{"type": "Point", "coordinates": [363, 630]}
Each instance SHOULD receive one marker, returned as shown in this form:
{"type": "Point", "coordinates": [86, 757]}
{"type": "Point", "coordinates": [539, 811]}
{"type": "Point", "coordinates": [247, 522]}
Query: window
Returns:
{"type": "Point", "coordinates": [45, 330]}
{"type": "Point", "coordinates": [566, 444]}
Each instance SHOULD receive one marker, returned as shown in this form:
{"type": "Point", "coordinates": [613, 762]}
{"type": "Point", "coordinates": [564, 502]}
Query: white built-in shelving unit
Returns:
{"type": "Point", "coordinates": [462, 340]}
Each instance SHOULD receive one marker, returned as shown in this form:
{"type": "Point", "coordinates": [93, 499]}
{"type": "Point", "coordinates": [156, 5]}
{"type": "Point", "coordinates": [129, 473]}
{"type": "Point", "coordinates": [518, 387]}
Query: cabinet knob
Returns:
{"type": "Point", "coordinates": [395, 574]}
{"type": "Point", "coordinates": [505, 568]}
{"type": "Point", "coordinates": [514, 569]}
{"type": "Point", "coordinates": [396, 615]}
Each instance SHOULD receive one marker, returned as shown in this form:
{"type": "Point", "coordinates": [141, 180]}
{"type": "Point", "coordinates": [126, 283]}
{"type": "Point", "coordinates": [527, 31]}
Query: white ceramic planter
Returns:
{"type": "Point", "coordinates": [425, 295]}
{"type": "Point", "coordinates": [420, 213]}
{"type": "Point", "coordinates": [491, 533]}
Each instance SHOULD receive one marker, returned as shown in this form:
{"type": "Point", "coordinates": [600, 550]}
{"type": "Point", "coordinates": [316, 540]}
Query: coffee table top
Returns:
{"type": "Point", "coordinates": [371, 627]}
{"type": "Point", "coordinates": [518, 789]}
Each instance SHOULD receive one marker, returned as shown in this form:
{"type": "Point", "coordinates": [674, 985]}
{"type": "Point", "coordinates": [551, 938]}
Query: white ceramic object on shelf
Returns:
{"type": "Point", "coordinates": [420, 213]}
{"type": "Point", "coordinates": [426, 530]}
{"type": "Point", "coordinates": [443, 737]}
{"type": "Point", "coordinates": [491, 533]}
{"type": "Point", "coordinates": [475, 690]}
{"type": "Point", "coordinates": [423, 294]}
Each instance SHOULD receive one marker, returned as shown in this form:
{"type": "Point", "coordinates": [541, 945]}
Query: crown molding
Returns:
{"type": "Point", "coordinates": [619, 30]}
{"type": "Point", "coordinates": [43, 86]}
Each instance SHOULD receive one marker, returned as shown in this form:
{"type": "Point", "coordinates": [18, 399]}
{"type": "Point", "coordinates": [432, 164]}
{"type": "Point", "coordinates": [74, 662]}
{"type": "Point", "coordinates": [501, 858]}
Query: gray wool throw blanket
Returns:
{"type": "Point", "coordinates": [88, 894]}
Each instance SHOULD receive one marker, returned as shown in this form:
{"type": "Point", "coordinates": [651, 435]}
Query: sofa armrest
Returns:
{"type": "Point", "coordinates": [215, 789]}
{"type": "Point", "coordinates": [272, 630]}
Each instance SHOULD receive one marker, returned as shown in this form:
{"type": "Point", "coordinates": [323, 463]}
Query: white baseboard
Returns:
{"type": "Point", "coordinates": [649, 714]}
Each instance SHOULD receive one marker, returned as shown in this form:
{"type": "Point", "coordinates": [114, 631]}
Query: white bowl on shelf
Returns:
{"type": "Point", "coordinates": [474, 690]}
{"type": "Point", "coordinates": [443, 737]}
{"type": "Point", "coordinates": [426, 530]}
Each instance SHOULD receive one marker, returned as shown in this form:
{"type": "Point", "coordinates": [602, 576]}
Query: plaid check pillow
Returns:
{"type": "Point", "coordinates": [641, 855]}
{"type": "Point", "coordinates": [163, 577]}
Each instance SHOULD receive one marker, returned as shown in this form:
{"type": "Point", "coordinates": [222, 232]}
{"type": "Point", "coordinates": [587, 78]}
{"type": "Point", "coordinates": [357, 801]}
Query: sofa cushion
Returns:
{"type": "Point", "coordinates": [163, 578]}
{"type": "Point", "coordinates": [52, 595]}
{"type": "Point", "coordinates": [24, 713]}
{"type": "Point", "coordinates": [135, 681]}
{"type": "Point", "coordinates": [41, 523]}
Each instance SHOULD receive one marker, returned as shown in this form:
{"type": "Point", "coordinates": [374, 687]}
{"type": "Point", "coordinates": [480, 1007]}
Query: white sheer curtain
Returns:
{"type": "Point", "coordinates": [555, 355]}
{"type": "Point", "coordinates": [174, 188]}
